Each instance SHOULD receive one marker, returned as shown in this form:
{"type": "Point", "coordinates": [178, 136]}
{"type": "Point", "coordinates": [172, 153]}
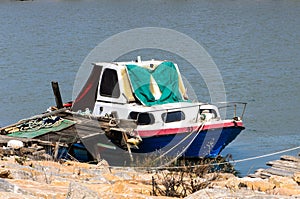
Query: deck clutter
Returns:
{"type": "Point", "coordinates": [59, 134]}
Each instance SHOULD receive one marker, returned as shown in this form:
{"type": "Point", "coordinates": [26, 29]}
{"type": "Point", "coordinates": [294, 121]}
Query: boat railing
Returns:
{"type": "Point", "coordinates": [238, 108]}
{"type": "Point", "coordinates": [167, 110]}
{"type": "Point", "coordinates": [225, 108]}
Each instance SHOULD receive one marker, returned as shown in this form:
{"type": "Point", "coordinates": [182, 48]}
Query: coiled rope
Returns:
{"type": "Point", "coordinates": [36, 124]}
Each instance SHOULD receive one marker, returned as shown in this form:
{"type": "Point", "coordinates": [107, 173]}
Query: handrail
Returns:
{"type": "Point", "coordinates": [234, 104]}
{"type": "Point", "coordinates": [226, 104]}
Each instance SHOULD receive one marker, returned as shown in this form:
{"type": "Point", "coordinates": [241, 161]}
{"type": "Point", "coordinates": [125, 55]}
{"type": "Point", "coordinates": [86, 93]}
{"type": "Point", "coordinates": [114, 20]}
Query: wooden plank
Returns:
{"type": "Point", "coordinates": [104, 121]}
{"type": "Point", "coordinates": [265, 175]}
{"type": "Point", "coordinates": [290, 158]}
{"type": "Point", "coordinates": [284, 164]}
{"type": "Point", "coordinates": [278, 172]}
{"type": "Point", "coordinates": [4, 139]}
{"type": "Point", "coordinates": [84, 129]}
{"type": "Point", "coordinates": [280, 167]}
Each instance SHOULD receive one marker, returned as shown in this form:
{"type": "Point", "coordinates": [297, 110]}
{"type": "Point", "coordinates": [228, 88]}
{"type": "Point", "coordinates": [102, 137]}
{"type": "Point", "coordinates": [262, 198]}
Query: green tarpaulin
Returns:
{"type": "Point", "coordinates": [158, 86]}
{"type": "Point", "coordinates": [32, 134]}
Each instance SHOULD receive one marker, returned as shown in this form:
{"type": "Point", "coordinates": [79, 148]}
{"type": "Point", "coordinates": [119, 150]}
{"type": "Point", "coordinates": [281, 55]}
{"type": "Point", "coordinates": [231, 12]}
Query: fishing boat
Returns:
{"type": "Point", "coordinates": [131, 110]}
{"type": "Point", "coordinates": [152, 94]}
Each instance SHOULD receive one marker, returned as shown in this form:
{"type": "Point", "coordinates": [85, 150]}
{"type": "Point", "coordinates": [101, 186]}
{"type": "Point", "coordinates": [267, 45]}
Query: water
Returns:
{"type": "Point", "coordinates": [255, 45]}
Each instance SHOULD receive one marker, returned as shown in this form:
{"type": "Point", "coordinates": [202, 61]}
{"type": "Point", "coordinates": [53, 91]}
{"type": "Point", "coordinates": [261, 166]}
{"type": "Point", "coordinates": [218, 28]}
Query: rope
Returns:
{"type": "Point", "coordinates": [216, 164]}
{"type": "Point", "coordinates": [174, 159]}
{"type": "Point", "coordinates": [266, 155]}
{"type": "Point", "coordinates": [172, 148]}
{"type": "Point", "coordinates": [36, 124]}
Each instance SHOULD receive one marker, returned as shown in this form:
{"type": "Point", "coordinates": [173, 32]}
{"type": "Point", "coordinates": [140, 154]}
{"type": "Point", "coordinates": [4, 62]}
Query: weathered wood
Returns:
{"type": "Point", "coordinates": [278, 172]}
{"type": "Point", "coordinates": [37, 153]}
{"type": "Point", "coordinates": [104, 121]}
{"type": "Point", "coordinates": [265, 175]}
{"type": "Point", "coordinates": [290, 158]}
{"type": "Point", "coordinates": [4, 139]}
{"type": "Point", "coordinates": [57, 95]}
{"type": "Point", "coordinates": [56, 150]}
{"type": "Point", "coordinates": [85, 125]}
{"type": "Point", "coordinates": [284, 164]}
{"type": "Point", "coordinates": [27, 150]}
{"type": "Point", "coordinates": [287, 166]}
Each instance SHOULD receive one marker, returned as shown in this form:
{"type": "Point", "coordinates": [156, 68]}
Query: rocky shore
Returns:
{"type": "Point", "coordinates": [23, 178]}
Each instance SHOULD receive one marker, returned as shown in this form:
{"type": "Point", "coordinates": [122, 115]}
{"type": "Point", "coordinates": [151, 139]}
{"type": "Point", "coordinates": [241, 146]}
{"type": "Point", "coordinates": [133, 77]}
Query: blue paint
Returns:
{"type": "Point", "coordinates": [207, 143]}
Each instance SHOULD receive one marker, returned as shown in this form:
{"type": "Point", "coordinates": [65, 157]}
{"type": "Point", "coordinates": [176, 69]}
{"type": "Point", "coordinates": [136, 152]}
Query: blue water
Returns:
{"type": "Point", "coordinates": [255, 45]}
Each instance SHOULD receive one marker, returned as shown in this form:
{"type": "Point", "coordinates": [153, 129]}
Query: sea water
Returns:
{"type": "Point", "coordinates": [255, 45]}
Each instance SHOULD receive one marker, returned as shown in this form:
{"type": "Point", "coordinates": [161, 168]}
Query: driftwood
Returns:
{"type": "Point", "coordinates": [287, 166]}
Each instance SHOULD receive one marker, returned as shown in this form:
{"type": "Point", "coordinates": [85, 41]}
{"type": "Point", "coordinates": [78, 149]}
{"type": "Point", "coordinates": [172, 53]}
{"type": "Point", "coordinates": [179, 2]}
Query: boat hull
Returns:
{"type": "Point", "coordinates": [161, 149]}
{"type": "Point", "coordinates": [206, 143]}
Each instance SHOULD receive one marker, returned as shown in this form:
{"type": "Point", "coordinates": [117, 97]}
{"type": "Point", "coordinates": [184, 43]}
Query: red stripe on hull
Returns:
{"type": "Point", "coordinates": [171, 131]}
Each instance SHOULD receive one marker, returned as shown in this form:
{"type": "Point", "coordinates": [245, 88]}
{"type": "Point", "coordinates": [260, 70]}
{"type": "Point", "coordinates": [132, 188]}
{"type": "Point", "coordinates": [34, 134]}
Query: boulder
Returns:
{"type": "Point", "coordinates": [283, 182]}
{"type": "Point", "coordinates": [287, 192]}
{"type": "Point", "coordinates": [256, 184]}
{"type": "Point", "coordinates": [296, 177]}
{"type": "Point", "coordinates": [5, 173]}
{"type": "Point", "coordinates": [76, 190]}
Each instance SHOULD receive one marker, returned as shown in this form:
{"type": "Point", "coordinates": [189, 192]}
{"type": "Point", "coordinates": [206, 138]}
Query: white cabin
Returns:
{"type": "Point", "coordinates": [151, 92]}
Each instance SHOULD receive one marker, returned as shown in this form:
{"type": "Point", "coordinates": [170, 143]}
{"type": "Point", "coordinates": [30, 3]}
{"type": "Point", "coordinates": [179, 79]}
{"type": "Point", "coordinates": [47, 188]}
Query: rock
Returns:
{"type": "Point", "coordinates": [77, 190]}
{"type": "Point", "coordinates": [234, 184]}
{"type": "Point", "coordinates": [5, 173]}
{"type": "Point", "coordinates": [283, 182]}
{"type": "Point", "coordinates": [286, 192]}
{"type": "Point", "coordinates": [231, 183]}
{"type": "Point", "coordinates": [6, 186]}
{"type": "Point", "coordinates": [227, 193]}
{"type": "Point", "coordinates": [103, 163]}
{"type": "Point", "coordinates": [225, 176]}
{"type": "Point", "coordinates": [256, 184]}
{"type": "Point", "coordinates": [77, 164]}
{"type": "Point", "coordinates": [48, 179]}
{"type": "Point", "coordinates": [296, 177]}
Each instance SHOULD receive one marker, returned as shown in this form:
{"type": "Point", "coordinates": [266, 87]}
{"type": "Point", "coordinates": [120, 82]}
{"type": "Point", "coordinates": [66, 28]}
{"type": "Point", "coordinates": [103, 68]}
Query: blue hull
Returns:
{"type": "Point", "coordinates": [161, 149]}
{"type": "Point", "coordinates": [206, 143]}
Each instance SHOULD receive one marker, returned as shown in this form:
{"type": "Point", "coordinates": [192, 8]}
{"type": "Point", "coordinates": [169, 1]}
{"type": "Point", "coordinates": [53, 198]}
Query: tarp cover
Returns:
{"type": "Point", "coordinates": [35, 133]}
{"type": "Point", "coordinates": [158, 86]}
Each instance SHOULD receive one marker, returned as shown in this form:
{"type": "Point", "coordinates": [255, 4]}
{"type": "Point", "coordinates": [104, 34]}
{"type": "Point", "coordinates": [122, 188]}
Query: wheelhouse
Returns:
{"type": "Point", "coordinates": [150, 92]}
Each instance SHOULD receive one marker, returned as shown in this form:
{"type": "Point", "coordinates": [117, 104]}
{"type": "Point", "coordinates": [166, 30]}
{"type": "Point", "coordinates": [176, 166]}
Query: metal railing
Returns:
{"type": "Point", "coordinates": [234, 105]}
{"type": "Point", "coordinates": [220, 105]}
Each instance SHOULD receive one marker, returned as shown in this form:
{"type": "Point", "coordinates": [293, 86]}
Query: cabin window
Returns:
{"type": "Point", "coordinates": [173, 116]}
{"type": "Point", "coordinates": [142, 118]}
{"type": "Point", "coordinates": [109, 84]}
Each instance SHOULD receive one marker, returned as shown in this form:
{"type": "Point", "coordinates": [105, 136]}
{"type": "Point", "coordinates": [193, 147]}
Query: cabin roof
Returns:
{"type": "Point", "coordinates": [150, 64]}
